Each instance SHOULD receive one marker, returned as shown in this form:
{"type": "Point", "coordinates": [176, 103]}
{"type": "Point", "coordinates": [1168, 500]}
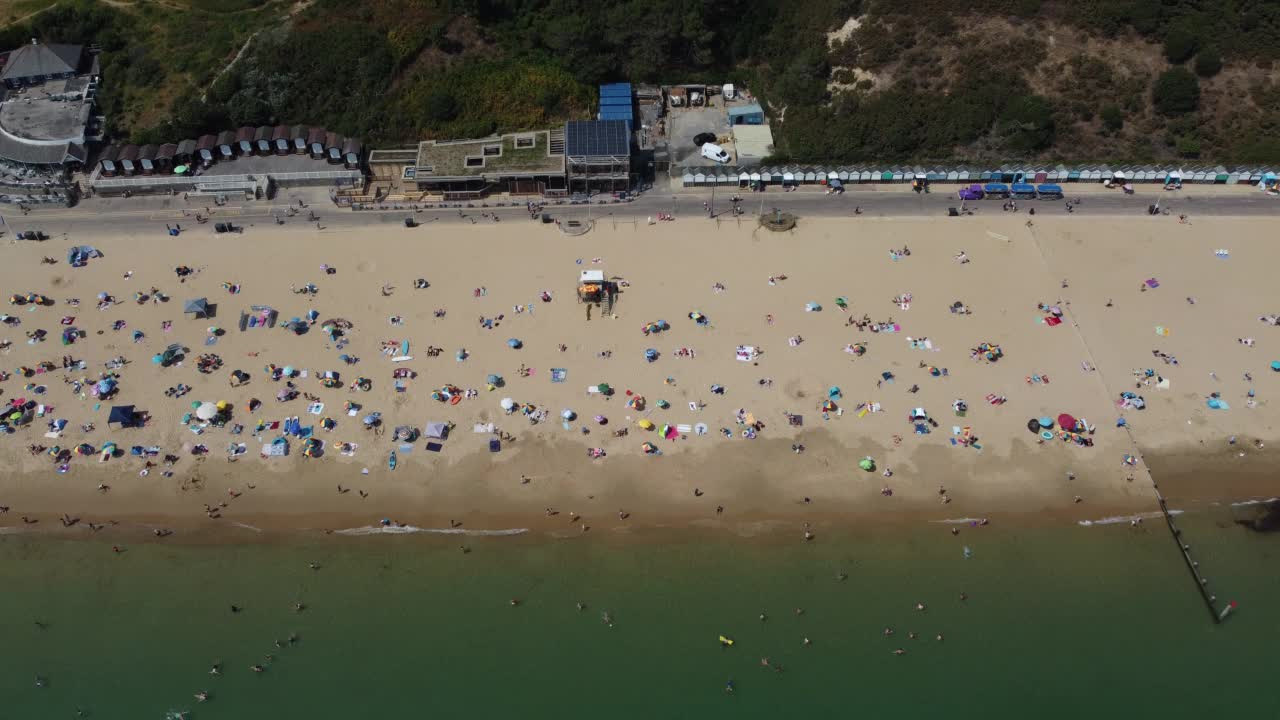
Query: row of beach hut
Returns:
{"type": "Point", "coordinates": [745, 177]}
{"type": "Point", "coordinates": [129, 160]}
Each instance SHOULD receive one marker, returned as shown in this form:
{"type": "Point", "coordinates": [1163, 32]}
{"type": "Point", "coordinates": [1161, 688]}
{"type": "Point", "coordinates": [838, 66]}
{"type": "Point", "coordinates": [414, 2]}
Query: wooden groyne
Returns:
{"type": "Point", "coordinates": [1184, 549]}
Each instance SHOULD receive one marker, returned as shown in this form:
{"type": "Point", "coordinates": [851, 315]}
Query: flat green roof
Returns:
{"type": "Point", "coordinates": [468, 158]}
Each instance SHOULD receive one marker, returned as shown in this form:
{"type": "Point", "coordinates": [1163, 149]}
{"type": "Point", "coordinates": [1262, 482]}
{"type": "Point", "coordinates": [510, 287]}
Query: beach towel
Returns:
{"type": "Point", "coordinates": [315, 408]}
{"type": "Point", "coordinates": [558, 375]}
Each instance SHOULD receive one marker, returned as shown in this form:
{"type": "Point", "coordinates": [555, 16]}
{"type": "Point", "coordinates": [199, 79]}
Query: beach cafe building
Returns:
{"type": "Point", "coordinates": [527, 163]}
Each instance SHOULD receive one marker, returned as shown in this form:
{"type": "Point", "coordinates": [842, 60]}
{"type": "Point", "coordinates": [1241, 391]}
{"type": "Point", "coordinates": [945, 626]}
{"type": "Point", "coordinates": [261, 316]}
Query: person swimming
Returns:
{"type": "Point", "coordinates": [728, 685]}
{"type": "Point", "coordinates": [899, 651]}
{"type": "Point", "coordinates": [888, 631]}
{"type": "Point", "coordinates": [257, 668]}
{"type": "Point", "coordinates": [202, 696]}
{"type": "Point", "coordinates": [216, 669]}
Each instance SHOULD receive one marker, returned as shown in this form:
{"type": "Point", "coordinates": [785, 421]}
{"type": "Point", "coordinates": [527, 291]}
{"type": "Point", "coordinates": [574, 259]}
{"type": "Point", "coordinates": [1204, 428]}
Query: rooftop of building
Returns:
{"type": "Point", "coordinates": [39, 59]}
{"type": "Point", "coordinates": [526, 153]}
{"type": "Point", "coordinates": [54, 111]}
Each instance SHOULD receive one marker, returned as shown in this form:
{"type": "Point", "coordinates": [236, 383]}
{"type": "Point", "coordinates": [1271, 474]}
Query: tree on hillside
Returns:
{"type": "Point", "coordinates": [1028, 122]}
{"type": "Point", "coordinates": [1180, 44]}
{"type": "Point", "coordinates": [1208, 62]}
{"type": "Point", "coordinates": [1176, 92]}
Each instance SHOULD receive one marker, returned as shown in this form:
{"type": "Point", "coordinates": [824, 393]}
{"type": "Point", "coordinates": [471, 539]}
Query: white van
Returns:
{"type": "Point", "coordinates": [712, 151]}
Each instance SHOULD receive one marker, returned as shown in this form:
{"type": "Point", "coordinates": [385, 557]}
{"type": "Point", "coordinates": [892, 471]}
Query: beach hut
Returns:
{"type": "Point", "coordinates": [298, 139]}
{"type": "Point", "coordinates": [185, 153]}
{"type": "Point", "coordinates": [315, 143]}
{"type": "Point", "coordinates": [244, 141]}
{"type": "Point", "coordinates": [351, 151]}
{"type": "Point", "coordinates": [147, 159]}
{"type": "Point", "coordinates": [164, 157]}
{"type": "Point", "coordinates": [107, 161]}
{"type": "Point", "coordinates": [205, 149]}
{"type": "Point", "coordinates": [128, 160]}
{"type": "Point", "coordinates": [262, 139]}
{"type": "Point", "coordinates": [123, 416]}
{"type": "Point", "coordinates": [687, 179]}
{"type": "Point", "coordinates": [333, 148]}
{"type": "Point", "coordinates": [699, 179]}
{"type": "Point", "coordinates": [197, 306]}
{"type": "Point", "coordinates": [282, 139]}
{"type": "Point", "coordinates": [227, 146]}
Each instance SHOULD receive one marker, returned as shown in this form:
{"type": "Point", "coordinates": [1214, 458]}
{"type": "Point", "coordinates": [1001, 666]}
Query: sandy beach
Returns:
{"type": "Point", "coordinates": [984, 463]}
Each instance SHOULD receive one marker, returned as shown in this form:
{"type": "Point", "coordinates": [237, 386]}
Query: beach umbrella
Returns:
{"type": "Point", "coordinates": [206, 411]}
{"type": "Point", "coordinates": [1066, 421]}
{"type": "Point", "coordinates": [606, 390]}
{"type": "Point", "coordinates": [288, 371]}
{"type": "Point", "coordinates": [103, 296]}
{"type": "Point", "coordinates": [568, 414]}
{"type": "Point", "coordinates": [221, 405]}
{"type": "Point", "coordinates": [1033, 425]}
{"type": "Point", "coordinates": [1275, 365]}
{"type": "Point", "coordinates": [645, 424]}
{"type": "Point", "coordinates": [650, 354]}
{"type": "Point", "coordinates": [867, 464]}
{"type": "Point", "coordinates": [812, 307]}
{"type": "Point", "coordinates": [507, 403]}
{"type": "Point", "coordinates": [834, 392]}
{"type": "Point", "coordinates": [494, 380]}
{"type": "Point", "coordinates": [1046, 422]}
{"type": "Point", "coordinates": [664, 404]}
{"type": "Point", "coordinates": [842, 302]}
{"type": "Point", "coordinates": [514, 343]}
{"type": "Point", "coordinates": [195, 404]}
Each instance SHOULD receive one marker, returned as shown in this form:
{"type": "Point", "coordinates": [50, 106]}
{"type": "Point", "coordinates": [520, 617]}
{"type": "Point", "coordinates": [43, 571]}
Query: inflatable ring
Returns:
{"type": "Point", "coordinates": [455, 399]}
{"type": "Point", "coordinates": [1046, 435]}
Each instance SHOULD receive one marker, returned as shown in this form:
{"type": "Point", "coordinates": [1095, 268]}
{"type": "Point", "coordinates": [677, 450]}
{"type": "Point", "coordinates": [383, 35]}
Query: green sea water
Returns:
{"type": "Point", "coordinates": [1065, 622]}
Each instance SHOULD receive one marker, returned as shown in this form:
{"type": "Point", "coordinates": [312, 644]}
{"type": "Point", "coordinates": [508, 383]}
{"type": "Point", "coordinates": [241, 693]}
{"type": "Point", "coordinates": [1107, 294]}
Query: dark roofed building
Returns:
{"type": "Point", "coordinates": [186, 152]}
{"type": "Point", "coordinates": [351, 153]}
{"type": "Point", "coordinates": [37, 63]}
{"type": "Point", "coordinates": [147, 159]}
{"type": "Point", "coordinates": [298, 138]}
{"type": "Point", "coordinates": [205, 148]}
{"type": "Point", "coordinates": [107, 161]}
{"type": "Point", "coordinates": [281, 139]}
{"type": "Point", "coordinates": [333, 147]}
{"type": "Point", "coordinates": [315, 142]}
{"type": "Point", "coordinates": [164, 157]}
{"type": "Point", "coordinates": [128, 159]}
{"type": "Point", "coordinates": [598, 154]}
{"type": "Point", "coordinates": [226, 145]}
{"type": "Point", "coordinates": [262, 140]}
{"type": "Point", "coordinates": [244, 140]}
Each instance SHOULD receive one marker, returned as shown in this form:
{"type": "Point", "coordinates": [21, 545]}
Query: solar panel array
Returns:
{"type": "Point", "coordinates": [597, 137]}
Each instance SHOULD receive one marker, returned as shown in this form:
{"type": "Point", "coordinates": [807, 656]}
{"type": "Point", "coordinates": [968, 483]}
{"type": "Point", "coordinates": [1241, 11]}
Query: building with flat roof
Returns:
{"type": "Point", "coordinates": [599, 155]}
{"type": "Point", "coordinates": [526, 163]}
{"type": "Point", "coordinates": [47, 106]}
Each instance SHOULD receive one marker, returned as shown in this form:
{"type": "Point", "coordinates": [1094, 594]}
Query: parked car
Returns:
{"type": "Point", "coordinates": [703, 138]}
{"type": "Point", "coordinates": [712, 151]}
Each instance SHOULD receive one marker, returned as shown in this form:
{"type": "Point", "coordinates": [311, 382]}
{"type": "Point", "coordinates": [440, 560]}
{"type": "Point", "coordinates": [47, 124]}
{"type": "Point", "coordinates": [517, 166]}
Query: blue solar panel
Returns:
{"type": "Point", "coordinates": [597, 137]}
{"type": "Point", "coordinates": [616, 90]}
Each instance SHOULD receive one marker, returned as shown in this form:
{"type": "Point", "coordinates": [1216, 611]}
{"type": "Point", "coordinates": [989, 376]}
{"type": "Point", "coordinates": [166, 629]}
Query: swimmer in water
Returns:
{"type": "Point", "coordinates": [256, 668]}
{"type": "Point", "coordinates": [763, 617]}
{"type": "Point", "coordinates": [299, 607]}
{"type": "Point", "coordinates": [581, 607]}
{"type": "Point", "coordinates": [806, 642]}
{"type": "Point", "coordinates": [764, 662]}
{"type": "Point", "coordinates": [728, 686]}
{"type": "Point", "coordinates": [202, 696]}
{"type": "Point", "coordinates": [293, 638]}
{"type": "Point", "coordinates": [939, 637]}
{"type": "Point", "coordinates": [899, 651]}
{"type": "Point", "coordinates": [911, 636]}
{"type": "Point", "coordinates": [216, 669]}
{"type": "Point", "coordinates": [888, 631]}
{"type": "Point", "coordinates": [920, 606]}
